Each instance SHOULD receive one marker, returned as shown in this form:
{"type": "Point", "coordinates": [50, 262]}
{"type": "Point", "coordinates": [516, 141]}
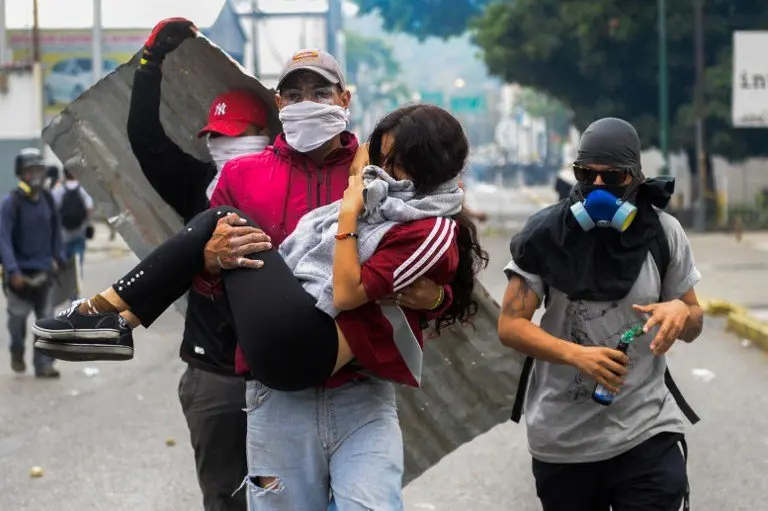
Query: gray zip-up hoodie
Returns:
{"type": "Point", "coordinates": [308, 251]}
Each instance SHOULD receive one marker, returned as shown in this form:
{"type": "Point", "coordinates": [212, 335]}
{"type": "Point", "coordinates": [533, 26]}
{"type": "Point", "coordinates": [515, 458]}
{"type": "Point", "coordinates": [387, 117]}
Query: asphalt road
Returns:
{"type": "Point", "coordinates": [101, 439]}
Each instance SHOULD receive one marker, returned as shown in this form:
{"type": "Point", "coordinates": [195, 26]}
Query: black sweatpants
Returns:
{"type": "Point", "coordinates": [289, 343]}
{"type": "Point", "coordinates": [649, 477]}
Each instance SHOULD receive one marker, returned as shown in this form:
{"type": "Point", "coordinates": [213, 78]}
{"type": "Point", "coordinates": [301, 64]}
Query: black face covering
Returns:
{"type": "Point", "coordinates": [601, 264]}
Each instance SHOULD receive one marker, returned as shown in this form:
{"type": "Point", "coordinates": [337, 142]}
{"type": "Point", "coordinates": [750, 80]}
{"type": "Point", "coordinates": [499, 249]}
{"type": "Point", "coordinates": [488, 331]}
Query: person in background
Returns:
{"type": "Point", "coordinates": [212, 396]}
{"type": "Point", "coordinates": [51, 177]}
{"type": "Point", "coordinates": [75, 208]}
{"type": "Point", "coordinates": [31, 251]}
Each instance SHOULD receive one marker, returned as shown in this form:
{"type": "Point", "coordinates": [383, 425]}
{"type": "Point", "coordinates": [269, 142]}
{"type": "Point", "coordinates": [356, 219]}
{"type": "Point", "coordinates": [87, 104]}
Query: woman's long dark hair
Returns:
{"type": "Point", "coordinates": [429, 145]}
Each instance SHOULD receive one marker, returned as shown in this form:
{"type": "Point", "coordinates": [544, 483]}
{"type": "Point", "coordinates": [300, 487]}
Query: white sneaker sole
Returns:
{"type": "Point", "coordinates": [96, 333]}
{"type": "Point", "coordinates": [84, 352]}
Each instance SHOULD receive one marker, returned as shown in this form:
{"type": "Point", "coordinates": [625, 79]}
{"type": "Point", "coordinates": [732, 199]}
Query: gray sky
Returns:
{"type": "Point", "coordinates": [115, 13]}
{"type": "Point", "coordinates": [131, 13]}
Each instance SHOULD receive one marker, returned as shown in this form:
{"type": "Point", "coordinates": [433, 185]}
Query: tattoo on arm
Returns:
{"type": "Point", "coordinates": [522, 299]}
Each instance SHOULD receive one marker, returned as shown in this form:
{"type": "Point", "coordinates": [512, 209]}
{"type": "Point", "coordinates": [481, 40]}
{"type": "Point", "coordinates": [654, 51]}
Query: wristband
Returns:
{"type": "Point", "coordinates": [345, 235]}
{"type": "Point", "coordinates": [150, 59]}
{"type": "Point", "coordinates": [439, 299]}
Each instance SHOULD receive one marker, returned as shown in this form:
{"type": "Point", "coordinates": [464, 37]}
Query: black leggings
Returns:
{"type": "Point", "coordinates": [289, 343]}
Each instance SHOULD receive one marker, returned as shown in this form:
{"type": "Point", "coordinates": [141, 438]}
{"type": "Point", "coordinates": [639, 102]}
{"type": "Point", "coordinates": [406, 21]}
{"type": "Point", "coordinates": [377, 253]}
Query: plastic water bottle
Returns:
{"type": "Point", "coordinates": [602, 395]}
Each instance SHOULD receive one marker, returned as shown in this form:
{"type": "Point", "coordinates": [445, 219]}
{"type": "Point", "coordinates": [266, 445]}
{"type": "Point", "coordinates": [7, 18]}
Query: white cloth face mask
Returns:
{"type": "Point", "coordinates": [309, 125]}
{"type": "Point", "coordinates": [223, 149]}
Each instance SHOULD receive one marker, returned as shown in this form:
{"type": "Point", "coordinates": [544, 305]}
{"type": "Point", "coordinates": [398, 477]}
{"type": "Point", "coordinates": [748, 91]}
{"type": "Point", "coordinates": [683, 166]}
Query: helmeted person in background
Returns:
{"type": "Point", "coordinates": [608, 265]}
{"type": "Point", "coordinates": [75, 208]}
{"type": "Point", "coordinates": [31, 251]}
{"type": "Point", "coordinates": [211, 395]}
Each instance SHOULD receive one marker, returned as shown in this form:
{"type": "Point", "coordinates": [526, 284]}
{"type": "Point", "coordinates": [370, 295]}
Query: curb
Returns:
{"type": "Point", "coordinates": [739, 321]}
{"type": "Point", "coordinates": [107, 249]}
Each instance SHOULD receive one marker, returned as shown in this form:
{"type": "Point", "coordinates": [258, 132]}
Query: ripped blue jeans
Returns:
{"type": "Point", "coordinates": [304, 446]}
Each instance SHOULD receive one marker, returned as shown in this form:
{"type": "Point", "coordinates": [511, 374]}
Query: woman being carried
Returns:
{"type": "Point", "coordinates": [398, 221]}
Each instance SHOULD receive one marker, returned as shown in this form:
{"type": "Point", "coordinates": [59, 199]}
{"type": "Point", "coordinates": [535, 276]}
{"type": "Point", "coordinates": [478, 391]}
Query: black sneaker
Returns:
{"type": "Point", "coordinates": [48, 372]}
{"type": "Point", "coordinates": [17, 363]}
{"type": "Point", "coordinates": [77, 337]}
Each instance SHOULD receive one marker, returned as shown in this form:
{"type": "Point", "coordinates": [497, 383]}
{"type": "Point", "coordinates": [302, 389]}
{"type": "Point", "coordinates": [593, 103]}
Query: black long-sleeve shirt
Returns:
{"type": "Point", "coordinates": [181, 180]}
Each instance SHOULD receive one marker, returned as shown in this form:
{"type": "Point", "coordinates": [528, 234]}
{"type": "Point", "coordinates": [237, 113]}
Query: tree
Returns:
{"type": "Point", "coordinates": [600, 57]}
{"type": "Point", "coordinates": [373, 69]}
{"type": "Point", "coordinates": [425, 18]}
{"type": "Point", "coordinates": [370, 52]}
{"type": "Point", "coordinates": [371, 65]}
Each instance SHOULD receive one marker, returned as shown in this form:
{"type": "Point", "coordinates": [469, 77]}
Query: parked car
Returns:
{"type": "Point", "coordinates": [71, 77]}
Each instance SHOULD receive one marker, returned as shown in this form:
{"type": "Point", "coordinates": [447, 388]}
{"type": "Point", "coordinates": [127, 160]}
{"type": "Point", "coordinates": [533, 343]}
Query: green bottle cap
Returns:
{"type": "Point", "coordinates": [630, 334]}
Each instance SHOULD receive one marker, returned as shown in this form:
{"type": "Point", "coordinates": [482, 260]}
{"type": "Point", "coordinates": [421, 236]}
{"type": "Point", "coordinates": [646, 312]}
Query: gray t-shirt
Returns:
{"type": "Point", "coordinates": [564, 424]}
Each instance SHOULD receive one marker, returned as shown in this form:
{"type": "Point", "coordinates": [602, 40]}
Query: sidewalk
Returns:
{"type": "Point", "coordinates": [732, 271]}
{"type": "Point", "coordinates": [735, 281]}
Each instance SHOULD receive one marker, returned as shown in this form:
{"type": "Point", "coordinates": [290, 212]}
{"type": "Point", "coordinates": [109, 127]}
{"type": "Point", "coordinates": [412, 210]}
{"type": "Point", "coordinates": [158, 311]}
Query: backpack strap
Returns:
{"type": "Point", "coordinates": [525, 375]}
{"type": "Point", "coordinates": [55, 223]}
{"type": "Point", "coordinates": [16, 203]}
{"type": "Point", "coordinates": [661, 253]}
{"type": "Point", "coordinates": [522, 388]}
{"type": "Point", "coordinates": [662, 256]}
{"type": "Point", "coordinates": [679, 399]}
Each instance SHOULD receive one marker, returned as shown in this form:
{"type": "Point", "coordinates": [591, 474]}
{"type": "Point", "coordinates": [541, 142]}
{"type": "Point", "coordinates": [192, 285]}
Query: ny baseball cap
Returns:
{"type": "Point", "coordinates": [318, 61]}
{"type": "Point", "coordinates": [232, 112]}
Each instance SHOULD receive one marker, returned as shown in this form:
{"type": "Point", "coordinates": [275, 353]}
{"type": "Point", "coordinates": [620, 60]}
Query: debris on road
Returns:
{"type": "Point", "coordinates": [746, 343]}
{"type": "Point", "coordinates": [36, 472]}
{"type": "Point", "coordinates": [170, 442]}
{"type": "Point", "coordinates": [704, 375]}
{"type": "Point", "coordinates": [91, 372]}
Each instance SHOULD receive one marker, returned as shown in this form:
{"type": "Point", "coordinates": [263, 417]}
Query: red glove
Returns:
{"type": "Point", "coordinates": [166, 37]}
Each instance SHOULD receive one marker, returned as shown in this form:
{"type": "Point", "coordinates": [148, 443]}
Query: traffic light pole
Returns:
{"type": "Point", "coordinates": [663, 88]}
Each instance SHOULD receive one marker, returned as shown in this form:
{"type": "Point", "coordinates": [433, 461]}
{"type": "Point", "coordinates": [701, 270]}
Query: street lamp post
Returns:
{"type": "Point", "coordinates": [663, 88]}
{"type": "Point", "coordinates": [3, 36]}
{"type": "Point", "coordinates": [701, 212]}
{"type": "Point", "coordinates": [98, 61]}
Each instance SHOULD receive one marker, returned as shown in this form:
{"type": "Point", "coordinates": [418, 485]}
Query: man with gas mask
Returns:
{"type": "Point", "coordinates": [307, 167]}
{"type": "Point", "coordinates": [31, 252]}
{"type": "Point", "coordinates": [211, 395]}
{"type": "Point", "coordinates": [612, 271]}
